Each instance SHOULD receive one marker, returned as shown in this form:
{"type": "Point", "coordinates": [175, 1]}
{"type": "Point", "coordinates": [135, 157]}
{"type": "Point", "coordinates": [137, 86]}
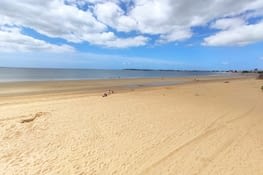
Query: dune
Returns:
{"type": "Point", "coordinates": [209, 127]}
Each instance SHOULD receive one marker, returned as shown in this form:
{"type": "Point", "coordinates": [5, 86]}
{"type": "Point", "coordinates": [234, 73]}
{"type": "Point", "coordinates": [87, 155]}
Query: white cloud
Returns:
{"type": "Point", "coordinates": [172, 20]}
{"type": "Point", "coordinates": [176, 35]}
{"type": "Point", "coordinates": [108, 39]}
{"type": "Point", "coordinates": [127, 42]}
{"type": "Point", "coordinates": [55, 19]}
{"type": "Point", "coordinates": [100, 22]}
{"type": "Point", "coordinates": [165, 16]}
{"type": "Point", "coordinates": [240, 35]}
{"type": "Point", "coordinates": [112, 15]}
{"type": "Point", "coordinates": [228, 23]}
{"type": "Point", "coordinates": [11, 39]}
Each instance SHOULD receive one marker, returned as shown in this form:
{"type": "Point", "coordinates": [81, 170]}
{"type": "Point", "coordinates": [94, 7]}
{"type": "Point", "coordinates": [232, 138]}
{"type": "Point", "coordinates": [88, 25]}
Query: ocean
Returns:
{"type": "Point", "coordinates": [45, 74]}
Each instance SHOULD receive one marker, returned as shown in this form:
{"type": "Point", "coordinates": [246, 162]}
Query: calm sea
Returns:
{"type": "Point", "coordinates": [36, 74]}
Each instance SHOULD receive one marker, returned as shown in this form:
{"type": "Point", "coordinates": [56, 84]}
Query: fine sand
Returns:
{"type": "Point", "coordinates": [205, 126]}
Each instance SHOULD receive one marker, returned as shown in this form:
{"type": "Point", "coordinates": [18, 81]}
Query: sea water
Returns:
{"type": "Point", "coordinates": [45, 74]}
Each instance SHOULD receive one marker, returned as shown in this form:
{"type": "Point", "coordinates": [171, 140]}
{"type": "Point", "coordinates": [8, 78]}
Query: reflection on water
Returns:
{"type": "Point", "coordinates": [34, 74]}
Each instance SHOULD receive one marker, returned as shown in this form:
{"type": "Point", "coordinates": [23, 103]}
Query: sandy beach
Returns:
{"type": "Point", "coordinates": [184, 126]}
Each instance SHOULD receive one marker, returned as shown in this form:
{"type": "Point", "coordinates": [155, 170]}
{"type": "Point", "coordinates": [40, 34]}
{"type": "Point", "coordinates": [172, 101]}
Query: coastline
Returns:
{"type": "Point", "coordinates": [24, 92]}
{"type": "Point", "coordinates": [22, 88]}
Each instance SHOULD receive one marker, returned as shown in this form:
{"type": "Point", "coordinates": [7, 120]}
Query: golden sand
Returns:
{"type": "Point", "coordinates": [206, 128]}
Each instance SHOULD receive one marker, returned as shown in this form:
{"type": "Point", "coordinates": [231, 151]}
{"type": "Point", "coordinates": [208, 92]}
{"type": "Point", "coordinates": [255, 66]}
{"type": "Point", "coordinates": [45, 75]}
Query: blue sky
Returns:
{"type": "Point", "coordinates": [116, 34]}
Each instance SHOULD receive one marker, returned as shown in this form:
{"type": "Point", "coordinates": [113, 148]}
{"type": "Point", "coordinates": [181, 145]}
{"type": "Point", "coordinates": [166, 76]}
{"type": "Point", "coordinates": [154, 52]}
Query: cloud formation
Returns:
{"type": "Point", "coordinates": [236, 35]}
{"type": "Point", "coordinates": [131, 23]}
{"type": "Point", "coordinates": [11, 39]}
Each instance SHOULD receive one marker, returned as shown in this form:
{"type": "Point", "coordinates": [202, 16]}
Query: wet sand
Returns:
{"type": "Point", "coordinates": [198, 126]}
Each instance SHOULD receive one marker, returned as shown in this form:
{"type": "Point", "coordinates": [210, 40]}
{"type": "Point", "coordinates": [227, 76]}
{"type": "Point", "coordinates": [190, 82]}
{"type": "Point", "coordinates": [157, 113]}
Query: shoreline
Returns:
{"type": "Point", "coordinates": [24, 88]}
{"type": "Point", "coordinates": [26, 92]}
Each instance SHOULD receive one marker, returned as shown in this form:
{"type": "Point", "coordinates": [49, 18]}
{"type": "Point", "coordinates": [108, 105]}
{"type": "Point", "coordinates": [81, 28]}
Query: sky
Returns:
{"type": "Point", "coordinates": [143, 34]}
